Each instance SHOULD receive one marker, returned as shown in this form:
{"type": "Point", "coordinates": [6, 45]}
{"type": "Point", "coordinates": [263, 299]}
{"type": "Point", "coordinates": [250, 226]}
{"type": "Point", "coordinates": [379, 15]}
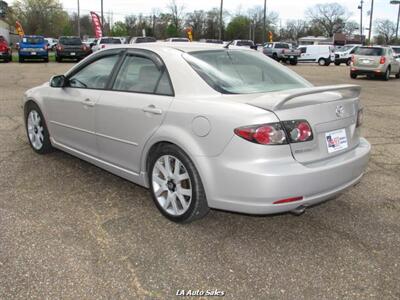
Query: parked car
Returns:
{"type": "Point", "coordinates": [33, 47]}
{"type": "Point", "coordinates": [178, 39]}
{"type": "Point", "coordinates": [5, 50]}
{"type": "Point", "coordinates": [281, 52]}
{"type": "Point", "coordinates": [90, 42]}
{"type": "Point", "coordinates": [242, 43]}
{"type": "Point", "coordinates": [71, 47]}
{"type": "Point", "coordinates": [142, 39]}
{"type": "Point", "coordinates": [51, 43]}
{"type": "Point", "coordinates": [322, 54]}
{"type": "Point", "coordinates": [396, 51]}
{"type": "Point", "coordinates": [343, 56]}
{"type": "Point", "coordinates": [211, 41]}
{"type": "Point", "coordinates": [204, 127]}
{"type": "Point", "coordinates": [104, 42]}
{"type": "Point", "coordinates": [374, 61]}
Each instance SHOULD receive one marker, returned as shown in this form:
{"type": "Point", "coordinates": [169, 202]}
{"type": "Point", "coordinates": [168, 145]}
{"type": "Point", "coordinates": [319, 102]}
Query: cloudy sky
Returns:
{"type": "Point", "coordinates": [287, 9]}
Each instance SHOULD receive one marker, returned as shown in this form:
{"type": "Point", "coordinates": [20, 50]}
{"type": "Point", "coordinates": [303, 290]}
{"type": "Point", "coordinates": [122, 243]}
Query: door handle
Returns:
{"type": "Point", "coordinates": [88, 102]}
{"type": "Point", "coordinates": [152, 109]}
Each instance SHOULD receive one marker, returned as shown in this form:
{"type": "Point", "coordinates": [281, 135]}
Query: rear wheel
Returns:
{"type": "Point", "coordinates": [398, 74]}
{"type": "Point", "coordinates": [293, 62]}
{"type": "Point", "coordinates": [46, 60]}
{"type": "Point", "coordinates": [20, 59]}
{"type": "Point", "coordinates": [348, 62]}
{"type": "Point", "coordinates": [322, 61]}
{"type": "Point", "coordinates": [386, 76]}
{"type": "Point", "coordinates": [175, 185]}
{"type": "Point", "coordinates": [275, 56]}
{"type": "Point", "coordinates": [352, 75]}
{"type": "Point", "coordinates": [337, 63]}
{"type": "Point", "coordinates": [58, 59]}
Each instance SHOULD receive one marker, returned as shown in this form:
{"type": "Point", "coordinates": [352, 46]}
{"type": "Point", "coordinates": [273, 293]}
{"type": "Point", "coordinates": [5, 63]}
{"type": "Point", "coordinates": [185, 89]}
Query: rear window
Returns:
{"type": "Point", "coordinates": [110, 41]}
{"type": "Point", "coordinates": [282, 46]}
{"type": "Point", "coordinates": [70, 41]}
{"type": "Point", "coordinates": [33, 40]}
{"type": "Point", "coordinates": [231, 71]}
{"type": "Point", "coordinates": [369, 51]}
{"type": "Point", "coordinates": [245, 43]}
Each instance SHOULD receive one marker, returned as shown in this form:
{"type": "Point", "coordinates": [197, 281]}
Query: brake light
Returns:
{"type": "Point", "coordinates": [103, 46]}
{"type": "Point", "coordinates": [383, 60]}
{"type": "Point", "coordinates": [298, 131]}
{"type": "Point", "coordinates": [353, 59]}
{"type": "Point", "coordinates": [84, 48]}
{"type": "Point", "coordinates": [60, 48]}
{"type": "Point", "coordinates": [46, 47]}
{"type": "Point", "coordinates": [265, 134]}
{"type": "Point", "coordinates": [288, 200]}
{"type": "Point", "coordinates": [360, 117]}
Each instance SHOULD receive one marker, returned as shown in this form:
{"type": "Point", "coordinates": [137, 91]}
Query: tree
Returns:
{"type": "Point", "coordinates": [44, 17]}
{"type": "Point", "coordinates": [176, 13]}
{"type": "Point", "coordinates": [197, 20]}
{"type": "Point", "coordinates": [386, 30]}
{"type": "Point", "coordinates": [238, 28]}
{"type": "Point", "coordinates": [330, 17]}
{"type": "Point", "coordinates": [294, 30]}
{"type": "Point", "coordinates": [119, 29]}
{"type": "Point", "coordinates": [351, 27]}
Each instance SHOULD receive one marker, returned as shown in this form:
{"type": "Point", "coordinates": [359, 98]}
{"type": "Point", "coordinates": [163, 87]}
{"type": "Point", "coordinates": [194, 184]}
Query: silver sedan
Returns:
{"type": "Point", "coordinates": [203, 126]}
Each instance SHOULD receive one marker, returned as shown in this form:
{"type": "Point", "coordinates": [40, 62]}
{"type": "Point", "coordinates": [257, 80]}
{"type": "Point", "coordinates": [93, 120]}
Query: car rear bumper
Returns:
{"type": "Point", "coordinates": [375, 72]}
{"type": "Point", "coordinates": [78, 54]}
{"type": "Point", "coordinates": [5, 55]}
{"type": "Point", "coordinates": [38, 55]}
{"type": "Point", "coordinates": [252, 185]}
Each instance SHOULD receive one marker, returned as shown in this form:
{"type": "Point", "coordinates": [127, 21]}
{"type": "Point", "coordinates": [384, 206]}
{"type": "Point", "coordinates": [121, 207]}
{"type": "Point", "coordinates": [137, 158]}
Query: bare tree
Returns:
{"type": "Point", "coordinates": [331, 17]}
{"type": "Point", "coordinates": [197, 20]}
{"type": "Point", "coordinates": [176, 12]}
{"type": "Point", "coordinates": [386, 30]}
{"type": "Point", "coordinates": [351, 27]}
{"type": "Point", "coordinates": [295, 29]}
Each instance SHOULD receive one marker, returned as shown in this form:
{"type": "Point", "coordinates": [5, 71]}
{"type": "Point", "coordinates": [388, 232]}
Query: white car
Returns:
{"type": "Point", "coordinates": [322, 54]}
{"type": "Point", "coordinates": [51, 43]}
{"type": "Point", "coordinates": [344, 54]}
{"type": "Point", "coordinates": [104, 42]}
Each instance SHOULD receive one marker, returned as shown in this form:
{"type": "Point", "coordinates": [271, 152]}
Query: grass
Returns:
{"type": "Point", "coordinates": [52, 56]}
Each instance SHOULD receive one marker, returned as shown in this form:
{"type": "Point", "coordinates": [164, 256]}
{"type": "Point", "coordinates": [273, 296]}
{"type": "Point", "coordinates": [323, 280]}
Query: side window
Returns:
{"type": "Point", "coordinates": [303, 49]}
{"type": "Point", "coordinates": [94, 75]}
{"type": "Point", "coordinates": [140, 74]}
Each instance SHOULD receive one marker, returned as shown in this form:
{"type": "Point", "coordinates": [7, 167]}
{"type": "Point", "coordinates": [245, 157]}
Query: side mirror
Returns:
{"type": "Point", "coordinates": [58, 81]}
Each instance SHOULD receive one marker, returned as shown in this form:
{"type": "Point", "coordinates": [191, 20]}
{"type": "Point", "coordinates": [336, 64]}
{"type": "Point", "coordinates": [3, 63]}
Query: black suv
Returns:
{"type": "Point", "coordinates": [71, 47]}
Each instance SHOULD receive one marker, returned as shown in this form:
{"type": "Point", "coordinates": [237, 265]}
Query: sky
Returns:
{"type": "Point", "coordinates": [287, 9]}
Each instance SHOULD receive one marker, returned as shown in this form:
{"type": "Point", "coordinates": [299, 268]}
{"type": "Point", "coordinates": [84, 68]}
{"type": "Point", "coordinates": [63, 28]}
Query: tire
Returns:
{"type": "Point", "coordinates": [34, 125]}
{"type": "Point", "coordinates": [58, 59]}
{"type": "Point", "coordinates": [46, 60]}
{"type": "Point", "coordinates": [386, 76]}
{"type": "Point", "coordinates": [169, 201]}
{"type": "Point", "coordinates": [322, 62]}
{"type": "Point", "coordinates": [353, 76]}
{"type": "Point", "coordinates": [337, 63]}
{"type": "Point", "coordinates": [275, 56]}
{"type": "Point", "coordinates": [398, 75]}
{"type": "Point", "coordinates": [293, 62]}
{"type": "Point", "coordinates": [348, 62]}
{"type": "Point", "coordinates": [21, 60]}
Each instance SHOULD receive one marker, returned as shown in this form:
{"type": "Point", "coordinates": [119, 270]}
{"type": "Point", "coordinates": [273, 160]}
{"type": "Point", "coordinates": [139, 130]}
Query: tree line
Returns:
{"type": "Point", "coordinates": [47, 17]}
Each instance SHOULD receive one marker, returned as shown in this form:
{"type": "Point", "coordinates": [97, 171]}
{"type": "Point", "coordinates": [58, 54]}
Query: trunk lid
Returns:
{"type": "Point", "coordinates": [366, 61]}
{"type": "Point", "coordinates": [331, 112]}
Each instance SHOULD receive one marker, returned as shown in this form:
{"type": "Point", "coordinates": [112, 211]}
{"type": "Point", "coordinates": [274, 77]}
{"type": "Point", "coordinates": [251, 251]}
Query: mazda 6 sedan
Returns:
{"type": "Point", "coordinates": [203, 126]}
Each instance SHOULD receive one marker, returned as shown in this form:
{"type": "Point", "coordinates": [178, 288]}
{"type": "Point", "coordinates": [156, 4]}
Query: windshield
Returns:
{"type": "Point", "coordinates": [33, 40]}
{"type": "Point", "coordinates": [110, 41]}
{"type": "Point", "coordinates": [369, 51]}
{"type": "Point", "coordinates": [345, 48]}
{"type": "Point", "coordinates": [242, 72]}
{"type": "Point", "coordinates": [71, 41]}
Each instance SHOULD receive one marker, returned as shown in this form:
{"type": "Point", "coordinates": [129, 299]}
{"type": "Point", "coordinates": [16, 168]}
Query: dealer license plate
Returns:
{"type": "Point", "coordinates": [336, 140]}
{"type": "Point", "coordinates": [291, 56]}
{"type": "Point", "coordinates": [72, 53]}
{"type": "Point", "coordinates": [33, 53]}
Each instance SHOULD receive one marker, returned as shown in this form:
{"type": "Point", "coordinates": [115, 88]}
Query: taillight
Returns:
{"type": "Point", "coordinates": [46, 47]}
{"type": "Point", "coordinates": [360, 117]}
{"type": "Point", "coordinates": [288, 200]}
{"type": "Point", "coordinates": [103, 46]}
{"type": "Point", "coordinates": [383, 60]}
{"type": "Point", "coordinates": [265, 134]}
{"type": "Point", "coordinates": [84, 48]}
{"type": "Point", "coordinates": [353, 59]}
{"type": "Point", "coordinates": [60, 48]}
{"type": "Point", "coordinates": [298, 131]}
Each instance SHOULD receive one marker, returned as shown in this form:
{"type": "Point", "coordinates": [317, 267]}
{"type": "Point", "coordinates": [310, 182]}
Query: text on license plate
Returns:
{"type": "Point", "coordinates": [336, 140]}
{"type": "Point", "coordinates": [72, 53]}
{"type": "Point", "coordinates": [33, 53]}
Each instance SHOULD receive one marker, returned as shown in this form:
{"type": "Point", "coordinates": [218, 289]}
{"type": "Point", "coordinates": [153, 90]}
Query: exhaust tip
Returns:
{"type": "Point", "coordinates": [298, 210]}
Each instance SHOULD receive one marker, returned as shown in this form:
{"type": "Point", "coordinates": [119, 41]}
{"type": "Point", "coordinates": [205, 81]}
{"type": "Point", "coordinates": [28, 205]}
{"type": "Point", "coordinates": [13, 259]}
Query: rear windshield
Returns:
{"type": "Point", "coordinates": [282, 46]}
{"type": "Point", "coordinates": [110, 41]}
{"type": "Point", "coordinates": [242, 72]}
{"type": "Point", "coordinates": [70, 41]}
{"type": "Point", "coordinates": [369, 51]}
{"type": "Point", "coordinates": [33, 40]}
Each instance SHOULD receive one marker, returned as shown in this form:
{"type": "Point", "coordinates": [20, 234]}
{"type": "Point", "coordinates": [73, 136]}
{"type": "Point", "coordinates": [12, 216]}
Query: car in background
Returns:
{"type": "Point", "coordinates": [254, 137]}
{"type": "Point", "coordinates": [33, 47]}
{"type": "Point", "coordinates": [281, 52]}
{"type": "Point", "coordinates": [242, 43]}
{"type": "Point", "coordinates": [178, 39]}
{"type": "Point", "coordinates": [5, 50]}
{"type": "Point", "coordinates": [396, 51]}
{"type": "Point", "coordinates": [376, 61]}
{"type": "Point", "coordinates": [51, 43]}
{"type": "Point", "coordinates": [71, 47]}
{"type": "Point", "coordinates": [142, 39]}
{"type": "Point", "coordinates": [343, 55]}
{"type": "Point", "coordinates": [104, 42]}
{"type": "Point", "coordinates": [322, 54]}
{"type": "Point", "coordinates": [211, 41]}
{"type": "Point", "coordinates": [90, 42]}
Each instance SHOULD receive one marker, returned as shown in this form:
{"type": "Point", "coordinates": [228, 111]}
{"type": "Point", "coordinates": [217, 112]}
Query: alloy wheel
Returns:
{"type": "Point", "coordinates": [35, 129]}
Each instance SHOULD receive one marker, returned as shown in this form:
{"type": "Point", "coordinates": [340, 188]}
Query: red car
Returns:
{"type": "Point", "coordinates": [5, 50]}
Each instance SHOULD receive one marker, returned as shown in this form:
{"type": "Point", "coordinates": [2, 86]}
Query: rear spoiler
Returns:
{"type": "Point", "coordinates": [348, 91]}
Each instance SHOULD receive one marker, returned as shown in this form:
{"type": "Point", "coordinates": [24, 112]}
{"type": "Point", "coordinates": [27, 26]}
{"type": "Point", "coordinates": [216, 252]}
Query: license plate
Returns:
{"type": "Point", "coordinates": [72, 53]}
{"type": "Point", "coordinates": [336, 140]}
{"type": "Point", "coordinates": [366, 61]}
{"type": "Point", "coordinates": [291, 56]}
{"type": "Point", "coordinates": [33, 53]}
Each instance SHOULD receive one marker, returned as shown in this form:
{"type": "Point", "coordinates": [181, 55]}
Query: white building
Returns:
{"type": "Point", "coordinates": [315, 40]}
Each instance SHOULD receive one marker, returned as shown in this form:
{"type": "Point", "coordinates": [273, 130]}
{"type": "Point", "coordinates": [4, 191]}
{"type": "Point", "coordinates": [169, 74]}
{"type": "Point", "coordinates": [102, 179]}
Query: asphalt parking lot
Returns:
{"type": "Point", "coordinates": [71, 230]}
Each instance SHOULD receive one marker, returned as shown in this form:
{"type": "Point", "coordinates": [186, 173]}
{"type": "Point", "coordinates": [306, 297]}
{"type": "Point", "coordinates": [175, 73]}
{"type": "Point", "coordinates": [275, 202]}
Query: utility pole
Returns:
{"type": "Point", "coordinates": [264, 21]}
{"type": "Point", "coordinates": [370, 21]}
{"type": "Point", "coordinates": [360, 7]}
{"type": "Point", "coordinates": [102, 15]}
{"type": "Point", "coordinates": [398, 17]}
{"type": "Point", "coordinates": [220, 20]}
{"type": "Point", "coordinates": [79, 20]}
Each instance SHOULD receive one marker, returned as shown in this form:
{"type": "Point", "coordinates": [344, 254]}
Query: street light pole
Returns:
{"type": "Point", "coordinates": [79, 20]}
{"type": "Point", "coordinates": [398, 17]}
{"type": "Point", "coordinates": [220, 20]}
{"type": "Point", "coordinates": [370, 21]}
{"type": "Point", "coordinates": [264, 21]}
{"type": "Point", "coordinates": [360, 7]}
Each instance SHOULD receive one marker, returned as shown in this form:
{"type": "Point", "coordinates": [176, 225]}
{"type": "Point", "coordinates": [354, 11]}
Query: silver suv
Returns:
{"type": "Point", "coordinates": [374, 61]}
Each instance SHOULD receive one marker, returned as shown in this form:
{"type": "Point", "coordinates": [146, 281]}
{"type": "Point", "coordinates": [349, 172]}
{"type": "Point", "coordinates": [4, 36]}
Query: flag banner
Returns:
{"type": "Point", "coordinates": [19, 29]}
{"type": "Point", "coordinates": [96, 23]}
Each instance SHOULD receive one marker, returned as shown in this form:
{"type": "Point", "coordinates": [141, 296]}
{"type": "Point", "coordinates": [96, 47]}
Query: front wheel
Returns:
{"type": "Point", "coordinates": [36, 129]}
{"type": "Point", "coordinates": [322, 61]}
{"type": "Point", "coordinates": [337, 63]}
{"type": "Point", "coordinates": [348, 62]}
{"type": "Point", "coordinates": [398, 74]}
{"type": "Point", "coordinates": [176, 186]}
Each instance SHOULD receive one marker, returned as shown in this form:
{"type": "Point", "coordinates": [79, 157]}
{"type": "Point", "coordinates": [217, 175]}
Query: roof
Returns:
{"type": "Point", "coordinates": [184, 47]}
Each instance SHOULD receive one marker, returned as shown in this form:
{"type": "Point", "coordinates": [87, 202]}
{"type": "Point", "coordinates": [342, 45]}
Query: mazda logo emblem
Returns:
{"type": "Point", "coordinates": [339, 111]}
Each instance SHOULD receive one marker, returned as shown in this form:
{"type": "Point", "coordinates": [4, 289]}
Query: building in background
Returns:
{"type": "Point", "coordinates": [315, 40]}
{"type": "Point", "coordinates": [7, 30]}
